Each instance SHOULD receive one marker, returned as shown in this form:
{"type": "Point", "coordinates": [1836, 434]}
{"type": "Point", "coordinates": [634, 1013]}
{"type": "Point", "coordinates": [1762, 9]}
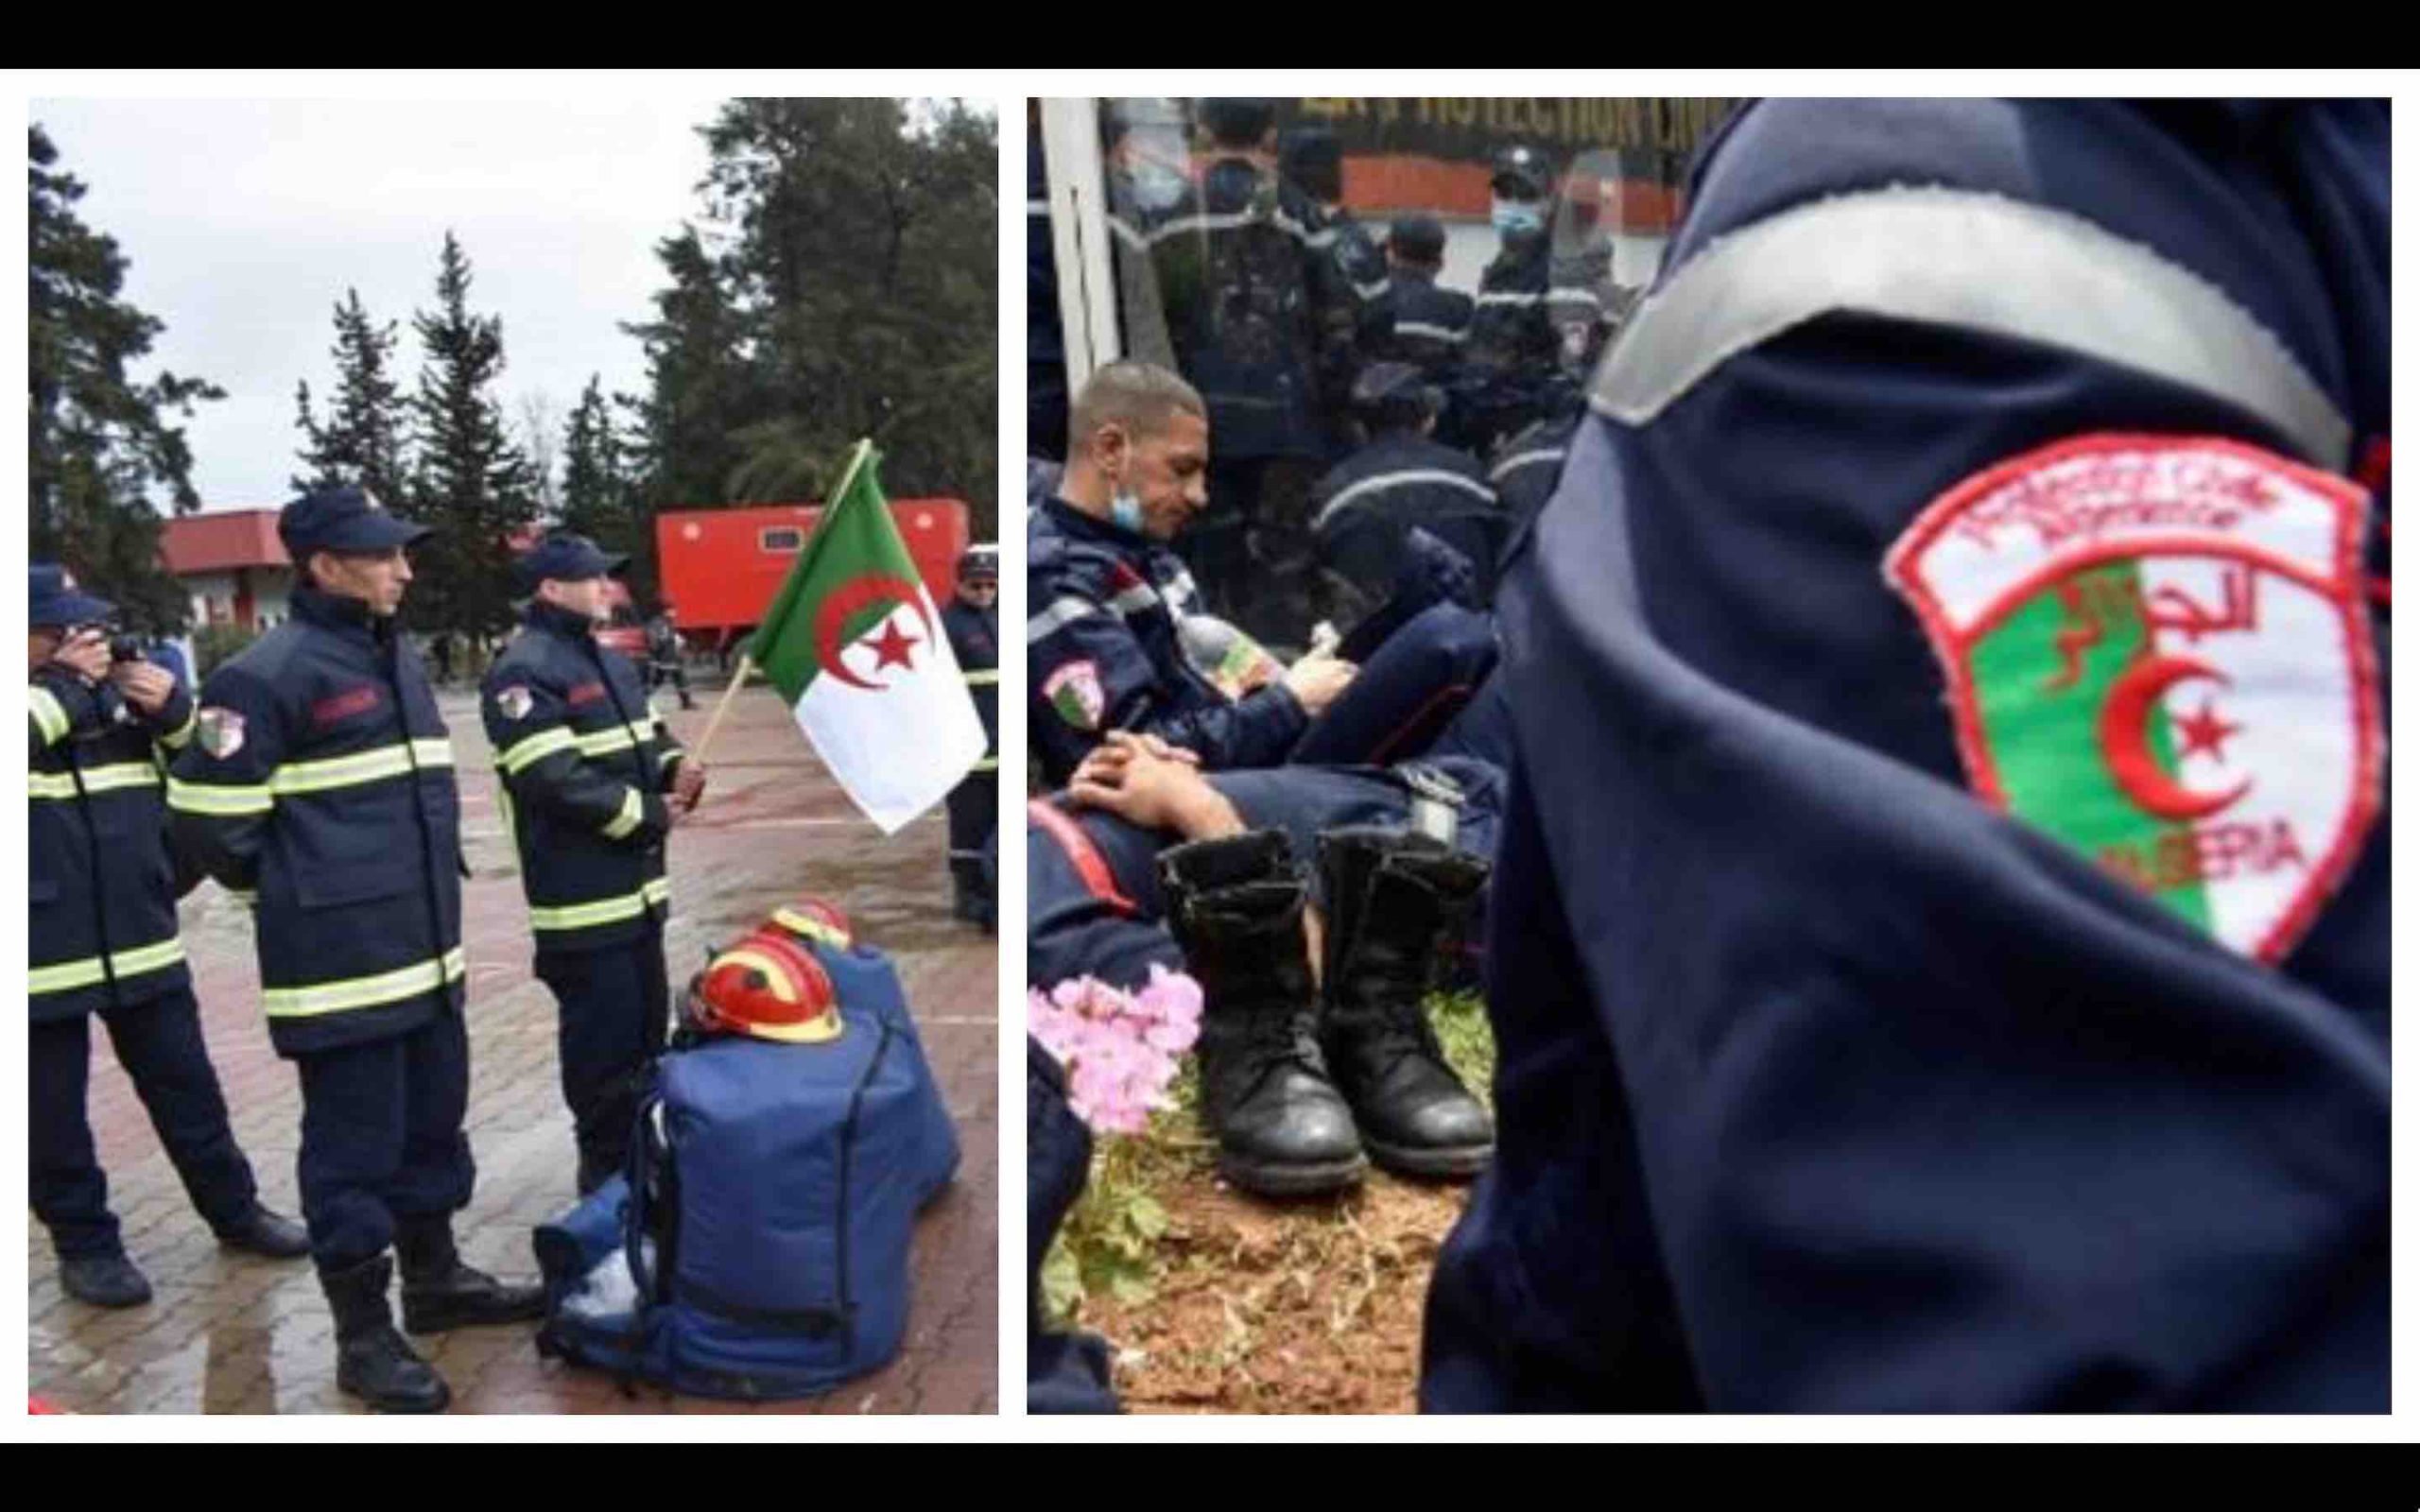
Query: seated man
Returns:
{"type": "Point", "coordinates": [1146, 861]}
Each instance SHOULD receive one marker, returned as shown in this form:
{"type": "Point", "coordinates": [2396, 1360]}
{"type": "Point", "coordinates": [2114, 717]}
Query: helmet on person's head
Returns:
{"type": "Point", "coordinates": [766, 988]}
{"type": "Point", "coordinates": [813, 919]}
{"type": "Point", "coordinates": [1519, 172]}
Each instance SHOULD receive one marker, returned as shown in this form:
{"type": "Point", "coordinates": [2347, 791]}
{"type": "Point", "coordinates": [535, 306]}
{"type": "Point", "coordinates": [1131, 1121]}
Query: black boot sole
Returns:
{"type": "Point", "coordinates": [1273, 1179]}
{"type": "Point", "coordinates": [1414, 1161]}
{"type": "Point", "coordinates": [444, 1319]}
{"type": "Point", "coordinates": [399, 1408]}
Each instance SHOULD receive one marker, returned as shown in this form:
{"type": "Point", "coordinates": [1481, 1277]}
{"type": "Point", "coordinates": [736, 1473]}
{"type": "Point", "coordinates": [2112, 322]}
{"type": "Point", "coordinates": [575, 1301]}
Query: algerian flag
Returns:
{"type": "Point", "coordinates": [852, 641]}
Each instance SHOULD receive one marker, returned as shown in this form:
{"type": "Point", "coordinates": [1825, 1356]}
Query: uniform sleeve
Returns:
{"type": "Point", "coordinates": [172, 728]}
{"type": "Point", "coordinates": [59, 703]}
{"type": "Point", "coordinates": [528, 725]}
{"type": "Point", "coordinates": [1090, 676]}
{"type": "Point", "coordinates": [219, 799]}
{"type": "Point", "coordinates": [670, 754]}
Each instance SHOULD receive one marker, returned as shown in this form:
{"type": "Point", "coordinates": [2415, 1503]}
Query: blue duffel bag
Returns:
{"type": "Point", "coordinates": [758, 1247]}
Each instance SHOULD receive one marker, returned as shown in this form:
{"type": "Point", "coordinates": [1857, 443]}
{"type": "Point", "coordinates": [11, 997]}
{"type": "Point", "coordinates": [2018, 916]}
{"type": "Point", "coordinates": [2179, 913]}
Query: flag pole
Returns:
{"type": "Point", "coordinates": [747, 662]}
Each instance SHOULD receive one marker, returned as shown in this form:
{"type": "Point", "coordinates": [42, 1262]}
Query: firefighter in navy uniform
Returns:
{"type": "Point", "coordinates": [590, 778]}
{"type": "Point", "coordinates": [319, 784]}
{"type": "Point", "coordinates": [1312, 159]}
{"type": "Point", "coordinates": [103, 941]}
{"type": "Point", "coordinates": [1104, 648]}
{"type": "Point", "coordinates": [1514, 344]}
{"type": "Point", "coordinates": [1401, 479]}
{"type": "Point", "coordinates": [1261, 321]}
{"type": "Point", "coordinates": [1964, 452]}
{"type": "Point", "coordinates": [973, 621]}
{"type": "Point", "coordinates": [1423, 325]}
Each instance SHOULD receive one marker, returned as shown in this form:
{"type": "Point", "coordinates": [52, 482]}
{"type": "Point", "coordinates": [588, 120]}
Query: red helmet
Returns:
{"type": "Point", "coordinates": [766, 986]}
{"type": "Point", "coordinates": [813, 919]}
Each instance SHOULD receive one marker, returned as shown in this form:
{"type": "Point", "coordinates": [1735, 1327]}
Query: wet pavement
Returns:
{"type": "Point", "coordinates": [226, 1332]}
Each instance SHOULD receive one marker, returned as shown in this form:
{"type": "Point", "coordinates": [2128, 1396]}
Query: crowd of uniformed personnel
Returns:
{"type": "Point", "coordinates": [313, 778]}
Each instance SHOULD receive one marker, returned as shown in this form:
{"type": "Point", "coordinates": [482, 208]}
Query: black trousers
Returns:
{"type": "Point", "coordinates": [973, 815]}
{"type": "Point", "coordinates": [159, 1042]}
{"type": "Point", "coordinates": [383, 1139]}
{"type": "Point", "coordinates": [613, 1007]}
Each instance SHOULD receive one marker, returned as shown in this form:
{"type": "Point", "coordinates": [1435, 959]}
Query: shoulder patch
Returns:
{"type": "Point", "coordinates": [219, 732]}
{"type": "Point", "coordinates": [516, 702]}
{"type": "Point", "coordinates": [2158, 649]}
{"type": "Point", "coordinates": [1074, 692]}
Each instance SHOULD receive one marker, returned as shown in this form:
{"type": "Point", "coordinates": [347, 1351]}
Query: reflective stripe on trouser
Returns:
{"type": "Point", "coordinates": [95, 779]}
{"type": "Point", "coordinates": [382, 1137]}
{"type": "Point", "coordinates": [603, 911]}
{"type": "Point", "coordinates": [363, 992]}
{"type": "Point", "coordinates": [66, 976]}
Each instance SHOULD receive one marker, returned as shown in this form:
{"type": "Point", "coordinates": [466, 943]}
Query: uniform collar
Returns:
{"type": "Point", "coordinates": [546, 616]}
{"type": "Point", "coordinates": [337, 613]}
{"type": "Point", "coordinates": [1074, 522]}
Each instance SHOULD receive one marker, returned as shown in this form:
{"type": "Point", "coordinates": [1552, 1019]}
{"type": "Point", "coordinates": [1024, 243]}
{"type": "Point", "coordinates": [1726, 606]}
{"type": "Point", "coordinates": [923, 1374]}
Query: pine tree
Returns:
{"type": "Point", "coordinates": [699, 393]}
{"type": "Point", "coordinates": [362, 440]}
{"type": "Point", "coordinates": [599, 499]}
{"type": "Point", "coordinates": [470, 482]}
{"type": "Point", "coordinates": [98, 444]}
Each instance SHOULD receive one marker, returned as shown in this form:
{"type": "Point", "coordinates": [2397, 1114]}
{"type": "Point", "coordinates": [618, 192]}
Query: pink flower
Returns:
{"type": "Point", "coordinates": [1121, 1049]}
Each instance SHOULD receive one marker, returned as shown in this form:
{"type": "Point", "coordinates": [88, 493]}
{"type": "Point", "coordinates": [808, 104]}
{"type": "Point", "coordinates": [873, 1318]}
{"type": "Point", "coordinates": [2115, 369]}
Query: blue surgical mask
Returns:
{"type": "Point", "coordinates": [1157, 186]}
{"type": "Point", "coordinates": [1515, 217]}
{"type": "Point", "coordinates": [1125, 511]}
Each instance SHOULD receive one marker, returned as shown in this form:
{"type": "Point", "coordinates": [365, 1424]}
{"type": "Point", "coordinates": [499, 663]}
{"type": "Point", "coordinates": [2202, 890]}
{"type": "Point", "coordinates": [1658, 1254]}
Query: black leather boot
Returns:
{"type": "Point", "coordinates": [441, 1293]}
{"type": "Point", "coordinates": [373, 1360]}
{"type": "Point", "coordinates": [263, 1232]}
{"type": "Point", "coordinates": [1392, 896]}
{"type": "Point", "coordinates": [1236, 908]}
{"type": "Point", "coordinates": [104, 1280]}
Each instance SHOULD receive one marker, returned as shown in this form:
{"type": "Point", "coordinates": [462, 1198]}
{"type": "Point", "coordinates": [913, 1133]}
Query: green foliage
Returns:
{"type": "Point", "coordinates": [362, 440]}
{"type": "Point", "coordinates": [599, 499]}
{"type": "Point", "coordinates": [846, 287]}
{"type": "Point", "coordinates": [1469, 1043]}
{"type": "Point", "coordinates": [217, 642]}
{"type": "Point", "coordinates": [470, 481]}
{"type": "Point", "coordinates": [99, 444]}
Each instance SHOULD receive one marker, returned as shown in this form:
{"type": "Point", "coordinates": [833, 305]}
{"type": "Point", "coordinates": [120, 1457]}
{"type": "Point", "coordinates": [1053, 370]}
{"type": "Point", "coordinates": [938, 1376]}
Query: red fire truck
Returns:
{"type": "Point", "coordinates": [721, 567]}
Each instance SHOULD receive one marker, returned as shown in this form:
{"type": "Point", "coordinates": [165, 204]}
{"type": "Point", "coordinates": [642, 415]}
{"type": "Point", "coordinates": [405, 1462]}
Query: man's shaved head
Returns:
{"type": "Point", "coordinates": [1138, 397]}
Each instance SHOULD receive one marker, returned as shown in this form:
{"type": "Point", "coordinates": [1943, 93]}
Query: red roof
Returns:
{"type": "Point", "coordinates": [223, 540]}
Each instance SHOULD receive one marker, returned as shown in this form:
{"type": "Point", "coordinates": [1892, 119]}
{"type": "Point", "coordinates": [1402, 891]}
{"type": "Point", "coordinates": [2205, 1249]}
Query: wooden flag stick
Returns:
{"type": "Point", "coordinates": [747, 664]}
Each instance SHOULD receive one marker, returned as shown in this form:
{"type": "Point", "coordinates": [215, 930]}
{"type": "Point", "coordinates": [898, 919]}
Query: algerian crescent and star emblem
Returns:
{"type": "Point", "coordinates": [2158, 649]}
{"type": "Point", "coordinates": [861, 604]}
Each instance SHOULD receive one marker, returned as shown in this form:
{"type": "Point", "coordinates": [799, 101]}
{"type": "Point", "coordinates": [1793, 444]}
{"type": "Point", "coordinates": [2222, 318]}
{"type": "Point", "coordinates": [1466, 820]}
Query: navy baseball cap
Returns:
{"type": "Point", "coordinates": [979, 561]}
{"type": "Point", "coordinates": [343, 519]}
{"type": "Point", "coordinates": [566, 558]}
{"type": "Point", "coordinates": [1421, 238]}
{"type": "Point", "coordinates": [54, 599]}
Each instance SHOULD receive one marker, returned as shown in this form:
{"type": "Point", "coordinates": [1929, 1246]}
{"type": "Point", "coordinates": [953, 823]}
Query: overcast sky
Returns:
{"type": "Point", "coordinates": [245, 222]}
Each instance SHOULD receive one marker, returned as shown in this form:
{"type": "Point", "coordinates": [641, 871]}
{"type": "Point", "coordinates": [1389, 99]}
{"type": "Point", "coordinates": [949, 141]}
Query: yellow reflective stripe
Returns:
{"type": "Point", "coordinates": [175, 739]}
{"type": "Point", "coordinates": [362, 991]}
{"type": "Point", "coordinates": [68, 975]}
{"type": "Point", "coordinates": [48, 717]}
{"type": "Point", "coordinates": [983, 680]}
{"type": "Point", "coordinates": [603, 911]}
{"type": "Point", "coordinates": [536, 747]}
{"type": "Point", "coordinates": [218, 798]}
{"type": "Point", "coordinates": [362, 766]}
{"type": "Point", "coordinates": [96, 779]}
{"type": "Point", "coordinates": [634, 810]}
{"type": "Point", "coordinates": [665, 759]}
{"type": "Point", "coordinates": [989, 763]}
{"type": "Point", "coordinates": [612, 738]}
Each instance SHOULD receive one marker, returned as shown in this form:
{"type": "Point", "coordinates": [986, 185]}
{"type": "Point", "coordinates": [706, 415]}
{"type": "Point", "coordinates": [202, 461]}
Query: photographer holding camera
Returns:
{"type": "Point", "coordinates": [104, 940]}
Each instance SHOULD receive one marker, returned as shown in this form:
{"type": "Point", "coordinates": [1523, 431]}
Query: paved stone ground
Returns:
{"type": "Point", "coordinates": [231, 1333]}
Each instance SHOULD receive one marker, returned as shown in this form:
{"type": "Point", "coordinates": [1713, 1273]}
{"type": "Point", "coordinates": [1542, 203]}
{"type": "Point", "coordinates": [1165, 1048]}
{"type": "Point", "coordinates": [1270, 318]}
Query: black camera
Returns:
{"type": "Point", "coordinates": [125, 648]}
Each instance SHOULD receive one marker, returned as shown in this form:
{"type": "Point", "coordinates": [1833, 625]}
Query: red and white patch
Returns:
{"type": "Point", "coordinates": [219, 732]}
{"type": "Point", "coordinates": [1074, 692]}
{"type": "Point", "coordinates": [2159, 650]}
{"type": "Point", "coordinates": [516, 702]}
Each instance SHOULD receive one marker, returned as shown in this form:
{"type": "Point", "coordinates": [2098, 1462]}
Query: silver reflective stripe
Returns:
{"type": "Point", "coordinates": [1206, 223]}
{"type": "Point", "coordinates": [1978, 262]}
{"type": "Point", "coordinates": [1134, 600]}
{"type": "Point", "coordinates": [1505, 296]}
{"type": "Point", "coordinates": [1521, 459]}
{"type": "Point", "coordinates": [1570, 295]}
{"type": "Point", "coordinates": [1389, 480]}
{"type": "Point", "coordinates": [1434, 333]}
{"type": "Point", "coordinates": [1064, 612]}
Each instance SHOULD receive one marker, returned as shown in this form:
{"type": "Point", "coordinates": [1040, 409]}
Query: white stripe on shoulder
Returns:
{"type": "Point", "coordinates": [1397, 479]}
